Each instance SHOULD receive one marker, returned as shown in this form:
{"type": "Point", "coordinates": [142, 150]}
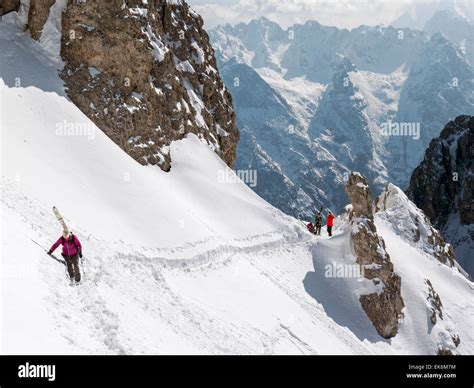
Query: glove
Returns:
{"type": "Point", "coordinates": [80, 255]}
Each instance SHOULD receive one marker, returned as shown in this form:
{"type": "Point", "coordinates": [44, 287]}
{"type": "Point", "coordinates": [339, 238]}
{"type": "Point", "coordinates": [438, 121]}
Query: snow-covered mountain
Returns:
{"type": "Point", "coordinates": [333, 100]}
{"type": "Point", "coordinates": [452, 18]}
{"type": "Point", "coordinates": [191, 260]}
{"type": "Point", "coordinates": [420, 12]}
{"type": "Point", "coordinates": [457, 28]}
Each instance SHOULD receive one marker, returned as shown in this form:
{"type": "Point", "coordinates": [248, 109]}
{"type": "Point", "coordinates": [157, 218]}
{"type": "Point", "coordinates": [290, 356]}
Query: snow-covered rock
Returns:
{"type": "Point", "coordinates": [149, 59]}
{"type": "Point", "coordinates": [442, 186]}
{"type": "Point", "coordinates": [420, 13]}
{"type": "Point", "coordinates": [410, 222]}
{"type": "Point", "coordinates": [384, 305]}
{"type": "Point", "coordinates": [457, 28]}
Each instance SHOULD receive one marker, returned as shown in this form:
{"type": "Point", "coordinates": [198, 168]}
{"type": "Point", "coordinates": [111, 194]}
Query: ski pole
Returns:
{"type": "Point", "coordinates": [39, 245]}
{"type": "Point", "coordinates": [82, 266]}
{"type": "Point", "coordinates": [49, 254]}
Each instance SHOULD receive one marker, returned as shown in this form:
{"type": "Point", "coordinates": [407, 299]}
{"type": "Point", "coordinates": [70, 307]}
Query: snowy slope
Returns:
{"type": "Point", "coordinates": [138, 293]}
{"type": "Point", "coordinates": [455, 291]}
{"type": "Point", "coordinates": [179, 262]}
{"type": "Point", "coordinates": [143, 231]}
{"type": "Point", "coordinates": [301, 94]}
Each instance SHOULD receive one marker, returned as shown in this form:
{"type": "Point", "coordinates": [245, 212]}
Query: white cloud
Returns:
{"type": "Point", "coordinates": [340, 13]}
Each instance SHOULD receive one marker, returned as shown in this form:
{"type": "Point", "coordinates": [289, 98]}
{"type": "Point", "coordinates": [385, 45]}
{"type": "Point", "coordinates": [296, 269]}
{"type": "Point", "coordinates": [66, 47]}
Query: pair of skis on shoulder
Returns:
{"type": "Point", "coordinates": [66, 231]}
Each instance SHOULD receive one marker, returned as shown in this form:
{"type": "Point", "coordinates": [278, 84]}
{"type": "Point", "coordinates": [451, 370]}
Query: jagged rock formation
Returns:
{"type": "Point", "coordinates": [435, 305]}
{"type": "Point", "coordinates": [37, 15]}
{"type": "Point", "coordinates": [143, 72]}
{"type": "Point", "coordinates": [449, 340]}
{"type": "Point", "coordinates": [443, 186]}
{"type": "Point", "coordinates": [359, 194]}
{"type": "Point", "coordinates": [383, 307]}
{"type": "Point", "coordinates": [456, 27]}
{"type": "Point", "coordinates": [413, 224]}
{"type": "Point", "coordinates": [7, 6]}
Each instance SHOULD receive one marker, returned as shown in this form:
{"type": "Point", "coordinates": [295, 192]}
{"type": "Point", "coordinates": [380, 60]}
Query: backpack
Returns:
{"type": "Point", "coordinates": [318, 219]}
{"type": "Point", "coordinates": [63, 240]}
{"type": "Point", "coordinates": [310, 227]}
{"type": "Point", "coordinates": [72, 239]}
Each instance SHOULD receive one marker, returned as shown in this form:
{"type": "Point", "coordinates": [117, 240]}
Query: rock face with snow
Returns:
{"type": "Point", "coordinates": [384, 306]}
{"type": "Point", "coordinates": [8, 6]}
{"type": "Point", "coordinates": [269, 150]}
{"type": "Point", "coordinates": [451, 340]}
{"type": "Point", "coordinates": [145, 73]}
{"type": "Point", "coordinates": [456, 27]}
{"type": "Point", "coordinates": [454, 19]}
{"type": "Point", "coordinates": [413, 224]}
{"type": "Point", "coordinates": [393, 208]}
{"type": "Point", "coordinates": [37, 15]}
{"type": "Point", "coordinates": [443, 186]}
{"type": "Point", "coordinates": [434, 301]}
{"type": "Point", "coordinates": [359, 194]}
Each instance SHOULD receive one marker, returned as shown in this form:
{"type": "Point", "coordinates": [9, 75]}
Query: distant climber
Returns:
{"type": "Point", "coordinates": [330, 223]}
{"type": "Point", "coordinates": [72, 249]}
{"type": "Point", "coordinates": [318, 222]}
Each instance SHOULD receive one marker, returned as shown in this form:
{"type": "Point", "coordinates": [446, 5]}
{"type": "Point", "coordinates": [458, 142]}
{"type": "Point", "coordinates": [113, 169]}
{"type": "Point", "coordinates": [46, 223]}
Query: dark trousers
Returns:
{"type": "Point", "coordinates": [318, 229]}
{"type": "Point", "coordinates": [330, 230]}
{"type": "Point", "coordinates": [72, 263]}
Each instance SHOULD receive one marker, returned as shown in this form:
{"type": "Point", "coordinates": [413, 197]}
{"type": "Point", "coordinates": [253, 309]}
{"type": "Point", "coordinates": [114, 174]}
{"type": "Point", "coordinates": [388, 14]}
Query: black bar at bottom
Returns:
{"type": "Point", "coordinates": [366, 370]}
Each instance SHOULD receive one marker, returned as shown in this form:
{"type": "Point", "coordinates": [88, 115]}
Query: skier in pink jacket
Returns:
{"type": "Point", "coordinates": [72, 249]}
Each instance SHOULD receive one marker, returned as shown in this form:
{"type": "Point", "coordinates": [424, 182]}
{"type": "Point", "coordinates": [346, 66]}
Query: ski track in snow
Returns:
{"type": "Point", "coordinates": [147, 289]}
{"type": "Point", "coordinates": [123, 283]}
{"type": "Point", "coordinates": [84, 304]}
{"type": "Point", "coordinates": [315, 310]}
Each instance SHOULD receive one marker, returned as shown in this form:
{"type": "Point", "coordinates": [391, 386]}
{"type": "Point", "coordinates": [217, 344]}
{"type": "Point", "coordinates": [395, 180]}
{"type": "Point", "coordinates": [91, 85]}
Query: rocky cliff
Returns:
{"type": "Point", "coordinates": [449, 339]}
{"type": "Point", "coordinates": [7, 6]}
{"type": "Point", "coordinates": [143, 72]}
{"type": "Point", "coordinates": [394, 211]}
{"type": "Point", "coordinates": [413, 224]}
{"type": "Point", "coordinates": [383, 307]}
{"type": "Point", "coordinates": [443, 186]}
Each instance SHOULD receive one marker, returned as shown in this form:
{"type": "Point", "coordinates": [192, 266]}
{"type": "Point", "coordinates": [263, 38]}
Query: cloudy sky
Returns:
{"type": "Point", "coordinates": [340, 13]}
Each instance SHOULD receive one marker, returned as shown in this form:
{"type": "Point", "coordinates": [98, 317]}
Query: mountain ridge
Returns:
{"type": "Point", "coordinates": [427, 83]}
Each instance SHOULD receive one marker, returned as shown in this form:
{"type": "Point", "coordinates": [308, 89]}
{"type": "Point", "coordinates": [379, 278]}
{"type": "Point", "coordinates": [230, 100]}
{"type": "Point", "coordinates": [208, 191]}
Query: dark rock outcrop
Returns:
{"type": "Point", "coordinates": [449, 340]}
{"type": "Point", "coordinates": [443, 186]}
{"type": "Point", "coordinates": [7, 6]}
{"type": "Point", "coordinates": [383, 307]}
{"type": "Point", "coordinates": [359, 194]}
{"type": "Point", "coordinates": [436, 307]}
{"type": "Point", "coordinates": [37, 16]}
{"type": "Point", "coordinates": [144, 73]}
{"type": "Point", "coordinates": [443, 183]}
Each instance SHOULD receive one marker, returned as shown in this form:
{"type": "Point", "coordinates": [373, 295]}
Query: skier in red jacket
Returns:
{"type": "Point", "coordinates": [71, 250]}
{"type": "Point", "coordinates": [330, 223]}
